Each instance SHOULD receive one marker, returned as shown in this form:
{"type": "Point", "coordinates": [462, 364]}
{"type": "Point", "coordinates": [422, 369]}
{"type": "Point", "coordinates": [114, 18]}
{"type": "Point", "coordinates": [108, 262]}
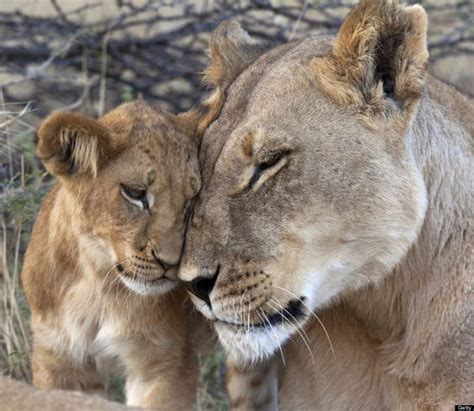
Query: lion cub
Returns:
{"type": "Point", "coordinates": [100, 269]}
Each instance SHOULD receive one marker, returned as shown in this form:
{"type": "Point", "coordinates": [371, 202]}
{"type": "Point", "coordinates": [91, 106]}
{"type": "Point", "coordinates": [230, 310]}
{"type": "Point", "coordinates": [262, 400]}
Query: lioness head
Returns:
{"type": "Point", "coordinates": [129, 177]}
{"type": "Point", "coordinates": [309, 189]}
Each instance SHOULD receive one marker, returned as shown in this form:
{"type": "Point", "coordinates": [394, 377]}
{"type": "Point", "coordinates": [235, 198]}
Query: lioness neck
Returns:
{"type": "Point", "coordinates": [424, 300]}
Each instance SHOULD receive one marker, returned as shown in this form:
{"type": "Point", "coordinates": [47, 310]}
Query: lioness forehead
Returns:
{"type": "Point", "coordinates": [256, 90]}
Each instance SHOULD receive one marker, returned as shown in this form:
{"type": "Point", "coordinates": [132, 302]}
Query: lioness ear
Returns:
{"type": "Point", "coordinates": [69, 143]}
{"type": "Point", "coordinates": [231, 51]}
{"type": "Point", "coordinates": [379, 58]}
{"type": "Point", "coordinates": [201, 116]}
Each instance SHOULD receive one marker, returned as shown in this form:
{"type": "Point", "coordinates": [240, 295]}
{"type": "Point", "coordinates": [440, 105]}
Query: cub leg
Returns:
{"type": "Point", "coordinates": [161, 381]}
{"type": "Point", "coordinates": [167, 391]}
{"type": "Point", "coordinates": [253, 387]}
{"type": "Point", "coordinates": [52, 369]}
{"type": "Point", "coordinates": [161, 392]}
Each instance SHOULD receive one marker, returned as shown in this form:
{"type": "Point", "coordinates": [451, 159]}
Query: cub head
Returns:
{"type": "Point", "coordinates": [309, 187]}
{"type": "Point", "coordinates": [127, 179]}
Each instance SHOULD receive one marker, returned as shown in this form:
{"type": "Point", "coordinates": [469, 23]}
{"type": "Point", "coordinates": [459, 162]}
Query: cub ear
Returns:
{"type": "Point", "coordinates": [231, 51]}
{"type": "Point", "coordinates": [379, 59]}
{"type": "Point", "coordinates": [70, 144]}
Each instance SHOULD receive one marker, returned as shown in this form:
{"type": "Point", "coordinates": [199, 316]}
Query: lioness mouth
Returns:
{"type": "Point", "coordinates": [291, 313]}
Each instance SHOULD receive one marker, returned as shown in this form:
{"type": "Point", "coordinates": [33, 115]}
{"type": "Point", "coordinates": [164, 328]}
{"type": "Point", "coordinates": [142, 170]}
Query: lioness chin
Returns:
{"type": "Point", "coordinates": [337, 183]}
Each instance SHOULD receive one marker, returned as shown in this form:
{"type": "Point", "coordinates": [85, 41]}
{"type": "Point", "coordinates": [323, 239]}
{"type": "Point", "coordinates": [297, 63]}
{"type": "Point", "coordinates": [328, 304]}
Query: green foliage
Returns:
{"type": "Point", "coordinates": [22, 204]}
{"type": "Point", "coordinates": [26, 145]}
{"type": "Point", "coordinates": [115, 388]}
{"type": "Point", "coordinates": [18, 359]}
{"type": "Point", "coordinates": [126, 94]}
{"type": "Point", "coordinates": [212, 393]}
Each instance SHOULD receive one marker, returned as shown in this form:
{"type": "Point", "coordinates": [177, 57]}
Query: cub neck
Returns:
{"type": "Point", "coordinates": [84, 255]}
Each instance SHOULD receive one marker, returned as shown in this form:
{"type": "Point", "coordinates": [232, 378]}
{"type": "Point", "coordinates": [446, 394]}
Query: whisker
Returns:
{"type": "Point", "coordinates": [128, 293]}
{"type": "Point", "coordinates": [277, 302]}
{"type": "Point", "coordinates": [314, 314]}
{"type": "Point", "coordinates": [248, 316]}
{"type": "Point", "coordinates": [112, 283]}
{"type": "Point", "coordinates": [242, 308]}
{"type": "Point", "coordinates": [296, 329]}
{"type": "Point", "coordinates": [110, 271]}
{"type": "Point", "coordinates": [234, 308]}
{"type": "Point", "coordinates": [265, 320]}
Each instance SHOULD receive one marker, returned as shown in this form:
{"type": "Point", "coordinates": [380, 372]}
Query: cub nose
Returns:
{"type": "Point", "coordinates": [202, 287]}
{"type": "Point", "coordinates": [164, 264]}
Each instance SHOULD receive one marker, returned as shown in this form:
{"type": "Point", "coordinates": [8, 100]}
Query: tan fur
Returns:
{"type": "Point", "coordinates": [100, 270]}
{"type": "Point", "coordinates": [364, 217]}
{"type": "Point", "coordinates": [91, 140]}
{"type": "Point", "coordinates": [17, 396]}
{"type": "Point", "coordinates": [254, 386]}
{"type": "Point", "coordinates": [231, 51]}
{"type": "Point", "coordinates": [349, 72]}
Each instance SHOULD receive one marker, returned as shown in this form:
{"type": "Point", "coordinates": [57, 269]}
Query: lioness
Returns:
{"type": "Point", "coordinates": [100, 269]}
{"type": "Point", "coordinates": [337, 178]}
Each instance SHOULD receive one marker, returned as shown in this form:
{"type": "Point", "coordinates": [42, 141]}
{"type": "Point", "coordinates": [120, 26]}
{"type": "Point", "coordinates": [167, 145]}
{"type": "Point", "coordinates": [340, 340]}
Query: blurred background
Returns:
{"type": "Point", "coordinates": [90, 56]}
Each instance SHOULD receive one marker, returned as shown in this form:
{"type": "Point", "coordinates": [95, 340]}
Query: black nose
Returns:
{"type": "Point", "coordinates": [201, 287]}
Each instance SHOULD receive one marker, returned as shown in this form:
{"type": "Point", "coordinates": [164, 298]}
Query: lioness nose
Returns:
{"type": "Point", "coordinates": [202, 287]}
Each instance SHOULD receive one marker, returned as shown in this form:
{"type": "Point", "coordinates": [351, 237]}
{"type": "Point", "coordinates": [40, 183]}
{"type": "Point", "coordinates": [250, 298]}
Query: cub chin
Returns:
{"type": "Point", "coordinates": [100, 269]}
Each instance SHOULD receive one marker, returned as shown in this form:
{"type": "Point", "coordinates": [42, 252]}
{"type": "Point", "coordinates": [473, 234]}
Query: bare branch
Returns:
{"type": "Point", "coordinates": [157, 48]}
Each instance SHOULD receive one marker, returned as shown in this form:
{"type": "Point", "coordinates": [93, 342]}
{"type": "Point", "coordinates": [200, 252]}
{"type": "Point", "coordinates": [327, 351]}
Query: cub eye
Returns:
{"type": "Point", "coordinates": [133, 192]}
{"type": "Point", "coordinates": [272, 159]}
{"type": "Point", "coordinates": [136, 195]}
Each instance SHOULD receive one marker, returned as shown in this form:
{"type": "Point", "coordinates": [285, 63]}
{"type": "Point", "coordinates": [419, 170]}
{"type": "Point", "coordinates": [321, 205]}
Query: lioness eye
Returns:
{"type": "Point", "coordinates": [135, 195]}
{"type": "Point", "coordinates": [271, 160]}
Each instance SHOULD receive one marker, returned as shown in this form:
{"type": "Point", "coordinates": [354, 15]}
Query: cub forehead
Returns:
{"type": "Point", "coordinates": [158, 144]}
{"type": "Point", "coordinates": [137, 113]}
{"type": "Point", "coordinates": [141, 122]}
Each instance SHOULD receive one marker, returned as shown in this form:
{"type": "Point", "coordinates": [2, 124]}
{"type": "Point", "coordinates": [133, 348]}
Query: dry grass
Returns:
{"type": "Point", "coordinates": [14, 313]}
